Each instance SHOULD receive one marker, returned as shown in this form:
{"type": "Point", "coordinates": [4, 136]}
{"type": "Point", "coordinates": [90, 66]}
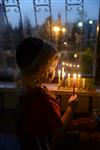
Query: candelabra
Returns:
{"type": "Point", "coordinates": [69, 77]}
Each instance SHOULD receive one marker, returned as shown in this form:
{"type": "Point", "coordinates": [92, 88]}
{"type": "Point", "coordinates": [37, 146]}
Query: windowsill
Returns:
{"type": "Point", "coordinates": [11, 86]}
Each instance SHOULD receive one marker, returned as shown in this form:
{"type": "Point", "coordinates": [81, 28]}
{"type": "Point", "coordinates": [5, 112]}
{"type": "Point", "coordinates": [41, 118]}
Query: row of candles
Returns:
{"type": "Point", "coordinates": [70, 65]}
{"type": "Point", "coordinates": [69, 77]}
{"type": "Point", "coordinates": [70, 80]}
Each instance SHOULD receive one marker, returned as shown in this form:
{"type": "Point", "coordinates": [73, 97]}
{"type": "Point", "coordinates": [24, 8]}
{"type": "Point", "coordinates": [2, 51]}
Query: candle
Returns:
{"type": "Point", "coordinates": [83, 83]}
{"type": "Point", "coordinates": [78, 82]}
{"type": "Point", "coordinates": [59, 80]}
{"type": "Point", "coordinates": [63, 74]}
{"type": "Point", "coordinates": [68, 79]}
{"type": "Point", "coordinates": [74, 76]}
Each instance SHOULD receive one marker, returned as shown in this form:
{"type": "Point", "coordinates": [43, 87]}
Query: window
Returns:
{"type": "Point", "coordinates": [71, 25]}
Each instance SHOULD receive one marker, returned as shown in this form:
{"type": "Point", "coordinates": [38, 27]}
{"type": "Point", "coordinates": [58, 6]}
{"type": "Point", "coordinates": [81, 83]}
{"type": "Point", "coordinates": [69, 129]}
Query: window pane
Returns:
{"type": "Point", "coordinates": [71, 25]}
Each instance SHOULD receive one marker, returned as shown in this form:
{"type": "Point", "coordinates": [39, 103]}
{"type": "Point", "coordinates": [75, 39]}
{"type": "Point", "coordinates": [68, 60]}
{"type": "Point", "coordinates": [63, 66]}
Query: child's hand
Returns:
{"type": "Point", "coordinates": [73, 102]}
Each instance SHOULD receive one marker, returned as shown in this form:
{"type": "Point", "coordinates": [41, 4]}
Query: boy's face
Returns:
{"type": "Point", "coordinates": [52, 70]}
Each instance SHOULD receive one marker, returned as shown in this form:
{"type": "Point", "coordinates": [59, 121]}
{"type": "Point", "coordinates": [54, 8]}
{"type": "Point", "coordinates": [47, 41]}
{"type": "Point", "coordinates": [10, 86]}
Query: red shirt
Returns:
{"type": "Point", "coordinates": [40, 112]}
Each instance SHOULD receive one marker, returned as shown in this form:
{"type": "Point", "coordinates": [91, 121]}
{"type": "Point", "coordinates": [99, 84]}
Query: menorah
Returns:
{"type": "Point", "coordinates": [69, 77]}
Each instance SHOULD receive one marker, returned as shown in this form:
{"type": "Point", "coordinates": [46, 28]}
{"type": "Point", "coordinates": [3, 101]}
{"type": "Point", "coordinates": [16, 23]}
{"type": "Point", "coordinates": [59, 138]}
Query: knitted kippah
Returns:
{"type": "Point", "coordinates": [28, 50]}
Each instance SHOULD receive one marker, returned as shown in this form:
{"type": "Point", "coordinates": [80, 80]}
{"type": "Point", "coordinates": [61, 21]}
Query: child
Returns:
{"type": "Point", "coordinates": [39, 120]}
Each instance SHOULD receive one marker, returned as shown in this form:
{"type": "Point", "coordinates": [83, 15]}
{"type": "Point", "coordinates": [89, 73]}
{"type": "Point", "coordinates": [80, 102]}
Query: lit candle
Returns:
{"type": "Point", "coordinates": [68, 79]}
{"type": "Point", "coordinates": [78, 82]}
{"type": "Point", "coordinates": [59, 80]}
{"type": "Point", "coordinates": [83, 83]}
{"type": "Point", "coordinates": [78, 66]}
{"type": "Point", "coordinates": [70, 65]}
{"type": "Point", "coordinates": [63, 74]}
{"type": "Point", "coordinates": [74, 76]}
{"type": "Point", "coordinates": [67, 64]}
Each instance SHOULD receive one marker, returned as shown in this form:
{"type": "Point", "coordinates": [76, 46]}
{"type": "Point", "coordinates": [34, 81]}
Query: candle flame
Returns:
{"type": "Point", "coordinates": [74, 76]}
{"type": "Point", "coordinates": [79, 75]}
{"type": "Point", "coordinates": [59, 71]}
{"type": "Point", "coordinates": [74, 65]}
{"type": "Point", "coordinates": [78, 66]}
{"type": "Point", "coordinates": [70, 65]}
{"type": "Point", "coordinates": [63, 63]}
{"type": "Point", "coordinates": [67, 64]}
{"type": "Point", "coordinates": [68, 74]}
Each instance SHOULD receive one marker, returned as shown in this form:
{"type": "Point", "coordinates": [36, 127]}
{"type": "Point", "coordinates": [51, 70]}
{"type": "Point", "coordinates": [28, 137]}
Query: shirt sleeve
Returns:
{"type": "Point", "coordinates": [52, 113]}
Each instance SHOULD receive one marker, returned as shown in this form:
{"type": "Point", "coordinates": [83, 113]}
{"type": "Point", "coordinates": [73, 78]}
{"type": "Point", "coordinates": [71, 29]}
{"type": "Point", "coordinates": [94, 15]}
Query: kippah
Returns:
{"type": "Point", "coordinates": [28, 50]}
